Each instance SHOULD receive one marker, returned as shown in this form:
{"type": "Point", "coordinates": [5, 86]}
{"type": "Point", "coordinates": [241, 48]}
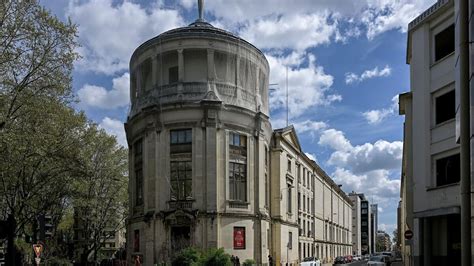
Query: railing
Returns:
{"type": "Point", "coordinates": [192, 91]}
{"type": "Point", "coordinates": [181, 204]}
{"type": "Point", "coordinates": [238, 205]}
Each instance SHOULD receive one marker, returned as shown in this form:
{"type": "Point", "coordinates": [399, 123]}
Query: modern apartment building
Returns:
{"type": "Point", "coordinates": [365, 224]}
{"type": "Point", "coordinates": [430, 187]}
{"type": "Point", "coordinates": [373, 226]}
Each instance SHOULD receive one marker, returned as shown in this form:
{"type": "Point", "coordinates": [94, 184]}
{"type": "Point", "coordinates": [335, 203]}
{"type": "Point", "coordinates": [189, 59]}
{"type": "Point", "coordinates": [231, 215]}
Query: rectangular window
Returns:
{"type": "Point", "coordinates": [289, 198]}
{"type": "Point", "coordinates": [299, 201]}
{"type": "Point", "coordinates": [445, 107]}
{"type": "Point", "coordinates": [267, 183]}
{"type": "Point", "coordinates": [238, 181]}
{"type": "Point", "coordinates": [181, 164]}
{"type": "Point", "coordinates": [448, 170]}
{"type": "Point", "coordinates": [298, 173]}
{"type": "Point", "coordinates": [136, 241]}
{"type": "Point", "coordinates": [173, 74]}
{"type": "Point", "coordinates": [288, 168]}
{"type": "Point", "coordinates": [138, 164]}
{"type": "Point", "coordinates": [181, 136]}
{"type": "Point", "coordinates": [238, 167]}
{"type": "Point", "coordinates": [290, 240]}
{"type": "Point", "coordinates": [304, 203]}
{"type": "Point", "coordinates": [181, 180]}
{"type": "Point", "coordinates": [444, 43]}
{"type": "Point", "coordinates": [239, 237]}
{"type": "Point", "coordinates": [268, 238]}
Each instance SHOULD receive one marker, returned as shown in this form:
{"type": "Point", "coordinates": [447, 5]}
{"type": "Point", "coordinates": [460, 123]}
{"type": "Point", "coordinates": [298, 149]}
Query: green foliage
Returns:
{"type": "Point", "coordinates": [54, 160]}
{"type": "Point", "coordinates": [249, 262]}
{"type": "Point", "coordinates": [216, 257]}
{"type": "Point", "coordinates": [187, 257]}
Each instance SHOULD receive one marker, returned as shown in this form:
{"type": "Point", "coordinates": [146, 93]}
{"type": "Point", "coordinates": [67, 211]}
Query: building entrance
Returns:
{"type": "Point", "coordinates": [180, 238]}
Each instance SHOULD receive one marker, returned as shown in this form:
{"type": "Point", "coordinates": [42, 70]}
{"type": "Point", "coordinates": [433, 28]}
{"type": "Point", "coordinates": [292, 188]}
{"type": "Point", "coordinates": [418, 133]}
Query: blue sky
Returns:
{"type": "Point", "coordinates": [346, 63]}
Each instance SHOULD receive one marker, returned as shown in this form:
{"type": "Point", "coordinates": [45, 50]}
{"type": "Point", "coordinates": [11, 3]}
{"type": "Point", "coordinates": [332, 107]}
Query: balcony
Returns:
{"type": "Point", "coordinates": [192, 92]}
{"type": "Point", "coordinates": [180, 204]}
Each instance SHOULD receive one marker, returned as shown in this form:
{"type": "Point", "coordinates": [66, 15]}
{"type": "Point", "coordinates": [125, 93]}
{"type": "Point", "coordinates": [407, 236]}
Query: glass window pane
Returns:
{"type": "Point", "coordinates": [243, 141]}
{"type": "Point", "coordinates": [181, 136]}
{"type": "Point", "coordinates": [188, 189]}
{"type": "Point", "coordinates": [188, 136]}
{"type": "Point", "coordinates": [174, 137]}
{"type": "Point", "coordinates": [236, 140]}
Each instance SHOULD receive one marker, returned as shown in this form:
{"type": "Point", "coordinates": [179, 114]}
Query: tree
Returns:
{"type": "Point", "coordinates": [39, 155]}
{"type": "Point", "coordinates": [37, 128]}
{"type": "Point", "coordinates": [100, 191]}
{"type": "Point", "coordinates": [37, 52]}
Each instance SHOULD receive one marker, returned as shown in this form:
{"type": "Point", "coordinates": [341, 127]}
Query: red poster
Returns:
{"type": "Point", "coordinates": [239, 237]}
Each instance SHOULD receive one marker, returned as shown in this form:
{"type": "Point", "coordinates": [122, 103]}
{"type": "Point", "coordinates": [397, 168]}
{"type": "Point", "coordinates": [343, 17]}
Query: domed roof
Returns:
{"type": "Point", "coordinates": [198, 28]}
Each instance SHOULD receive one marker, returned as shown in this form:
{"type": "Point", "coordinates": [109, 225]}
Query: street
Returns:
{"type": "Point", "coordinates": [364, 262]}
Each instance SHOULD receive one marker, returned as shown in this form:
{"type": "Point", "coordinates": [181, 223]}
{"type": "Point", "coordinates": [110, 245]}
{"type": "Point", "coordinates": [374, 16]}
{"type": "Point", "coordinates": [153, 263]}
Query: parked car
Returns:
{"type": "Point", "coordinates": [310, 261]}
{"type": "Point", "coordinates": [340, 260]}
{"type": "Point", "coordinates": [379, 260]}
{"type": "Point", "coordinates": [356, 258]}
{"type": "Point", "coordinates": [348, 259]}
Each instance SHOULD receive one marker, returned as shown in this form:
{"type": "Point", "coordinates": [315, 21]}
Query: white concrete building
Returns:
{"type": "Point", "coordinates": [374, 223]}
{"type": "Point", "coordinates": [430, 189]}
{"type": "Point", "coordinates": [356, 224]}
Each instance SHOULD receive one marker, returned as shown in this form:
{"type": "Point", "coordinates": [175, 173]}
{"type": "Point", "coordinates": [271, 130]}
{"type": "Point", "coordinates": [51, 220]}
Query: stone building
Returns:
{"type": "Point", "coordinates": [307, 206]}
{"type": "Point", "coordinates": [206, 169]}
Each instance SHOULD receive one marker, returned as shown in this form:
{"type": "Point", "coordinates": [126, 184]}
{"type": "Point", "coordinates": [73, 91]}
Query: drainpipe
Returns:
{"type": "Point", "coordinates": [464, 133]}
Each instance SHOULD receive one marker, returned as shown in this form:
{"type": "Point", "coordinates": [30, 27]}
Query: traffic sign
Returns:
{"type": "Point", "coordinates": [38, 249]}
{"type": "Point", "coordinates": [408, 234]}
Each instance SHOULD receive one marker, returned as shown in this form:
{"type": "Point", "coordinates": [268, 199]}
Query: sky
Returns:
{"type": "Point", "coordinates": [346, 66]}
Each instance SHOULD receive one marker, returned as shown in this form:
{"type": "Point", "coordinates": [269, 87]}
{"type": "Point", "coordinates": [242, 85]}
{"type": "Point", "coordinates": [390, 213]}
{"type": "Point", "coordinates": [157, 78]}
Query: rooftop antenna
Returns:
{"type": "Point", "coordinates": [200, 8]}
{"type": "Point", "coordinates": [287, 112]}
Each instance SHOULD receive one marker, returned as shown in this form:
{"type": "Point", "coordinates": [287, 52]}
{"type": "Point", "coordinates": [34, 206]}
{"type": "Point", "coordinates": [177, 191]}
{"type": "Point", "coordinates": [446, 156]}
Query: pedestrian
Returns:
{"type": "Point", "coordinates": [237, 261]}
{"type": "Point", "coordinates": [138, 261]}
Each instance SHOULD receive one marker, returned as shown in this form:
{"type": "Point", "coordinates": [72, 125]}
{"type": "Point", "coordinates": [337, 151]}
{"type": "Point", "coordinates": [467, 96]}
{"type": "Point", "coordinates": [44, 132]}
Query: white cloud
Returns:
{"type": "Point", "coordinates": [378, 115]}
{"type": "Point", "coordinates": [374, 184]}
{"type": "Point", "coordinates": [309, 126]}
{"type": "Point", "coordinates": [387, 228]}
{"type": "Point", "coordinates": [366, 168]}
{"type": "Point", "coordinates": [311, 156]}
{"type": "Point", "coordinates": [114, 127]}
{"type": "Point", "coordinates": [368, 74]}
{"type": "Point", "coordinates": [307, 86]}
{"type": "Point", "coordinates": [109, 32]}
{"type": "Point", "coordinates": [367, 157]}
{"type": "Point", "coordinates": [373, 17]}
{"type": "Point", "coordinates": [96, 96]}
{"type": "Point", "coordinates": [334, 139]}
{"type": "Point", "coordinates": [298, 31]}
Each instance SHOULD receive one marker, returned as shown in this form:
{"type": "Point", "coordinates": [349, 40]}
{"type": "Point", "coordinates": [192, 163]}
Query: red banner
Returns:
{"type": "Point", "coordinates": [239, 237]}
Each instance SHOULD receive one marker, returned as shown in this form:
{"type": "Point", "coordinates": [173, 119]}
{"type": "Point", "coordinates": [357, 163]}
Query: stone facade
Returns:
{"type": "Point", "coordinates": [206, 169]}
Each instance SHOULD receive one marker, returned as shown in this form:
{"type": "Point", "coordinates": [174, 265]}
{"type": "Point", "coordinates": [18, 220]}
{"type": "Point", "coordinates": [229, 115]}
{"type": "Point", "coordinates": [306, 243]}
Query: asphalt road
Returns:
{"type": "Point", "coordinates": [364, 262]}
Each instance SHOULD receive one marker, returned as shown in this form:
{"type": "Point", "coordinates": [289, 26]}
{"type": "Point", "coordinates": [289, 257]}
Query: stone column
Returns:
{"type": "Point", "coordinates": [211, 73]}
{"type": "Point", "coordinates": [180, 70]}
{"type": "Point", "coordinates": [154, 66]}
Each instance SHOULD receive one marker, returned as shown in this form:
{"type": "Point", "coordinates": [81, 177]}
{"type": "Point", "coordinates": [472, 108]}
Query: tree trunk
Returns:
{"type": "Point", "coordinates": [11, 257]}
